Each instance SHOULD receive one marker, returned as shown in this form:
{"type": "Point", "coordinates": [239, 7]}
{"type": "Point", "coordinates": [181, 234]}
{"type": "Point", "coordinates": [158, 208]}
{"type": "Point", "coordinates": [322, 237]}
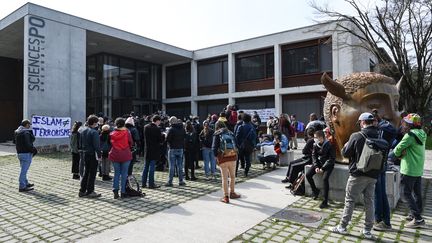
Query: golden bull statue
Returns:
{"type": "Point", "coordinates": [351, 95]}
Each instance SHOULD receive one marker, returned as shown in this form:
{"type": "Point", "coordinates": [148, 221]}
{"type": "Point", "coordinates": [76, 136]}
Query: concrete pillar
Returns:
{"type": "Point", "coordinates": [278, 104]}
{"type": "Point", "coordinates": [163, 82]}
{"type": "Point", "coordinates": [194, 87]}
{"type": "Point", "coordinates": [277, 67]}
{"type": "Point", "coordinates": [231, 74]}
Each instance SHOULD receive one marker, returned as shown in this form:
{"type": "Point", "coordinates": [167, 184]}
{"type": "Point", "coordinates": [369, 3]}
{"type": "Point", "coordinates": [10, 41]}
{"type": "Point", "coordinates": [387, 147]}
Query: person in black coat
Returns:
{"type": "Point", "coordinates": [323, 157]}
{"type": "Point", "coordinates": [153, 140]}
{"type": "Point", "coordinates": [190, 149]}
{"type": "Point", "coordinates": [24, 139]}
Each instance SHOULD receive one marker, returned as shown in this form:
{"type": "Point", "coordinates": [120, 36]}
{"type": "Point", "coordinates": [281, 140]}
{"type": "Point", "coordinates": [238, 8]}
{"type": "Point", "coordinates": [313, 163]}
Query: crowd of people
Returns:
{"type": "Point", "coordinates": [229, 139]}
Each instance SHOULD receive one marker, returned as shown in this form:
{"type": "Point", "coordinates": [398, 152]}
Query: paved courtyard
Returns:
{"type": "Point", "coordinates": [53, 212]}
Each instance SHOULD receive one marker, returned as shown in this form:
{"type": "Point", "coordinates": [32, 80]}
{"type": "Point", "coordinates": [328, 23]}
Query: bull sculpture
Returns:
{"type": "Point", "coordinates": [348, 97]}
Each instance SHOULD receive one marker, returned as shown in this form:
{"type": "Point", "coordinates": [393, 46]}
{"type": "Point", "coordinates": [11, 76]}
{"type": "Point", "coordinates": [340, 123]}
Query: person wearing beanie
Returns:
{"type": "Point", "coordinates": [411, 150]}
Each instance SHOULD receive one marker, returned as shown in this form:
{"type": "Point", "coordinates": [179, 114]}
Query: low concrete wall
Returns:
{"type": "Point", "coordinates": [339, 178]}
{"type": "Point", "coordinates": [284, 159]}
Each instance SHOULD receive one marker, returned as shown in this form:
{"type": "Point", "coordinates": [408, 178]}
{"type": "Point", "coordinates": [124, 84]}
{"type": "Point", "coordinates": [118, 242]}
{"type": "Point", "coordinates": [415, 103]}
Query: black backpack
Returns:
{"type": "Point", "coordinates": [133, 188]}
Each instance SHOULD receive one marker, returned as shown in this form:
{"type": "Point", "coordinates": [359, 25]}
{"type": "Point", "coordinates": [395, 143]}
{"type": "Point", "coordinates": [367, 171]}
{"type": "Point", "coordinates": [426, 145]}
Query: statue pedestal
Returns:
{"type": "Point", "coordinates": [338, 180]}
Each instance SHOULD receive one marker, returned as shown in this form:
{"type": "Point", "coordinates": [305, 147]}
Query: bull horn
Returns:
{"type": "Point", "coordinates": [399, 83]}
{"type": "Point", "coordinates": [334, 87]}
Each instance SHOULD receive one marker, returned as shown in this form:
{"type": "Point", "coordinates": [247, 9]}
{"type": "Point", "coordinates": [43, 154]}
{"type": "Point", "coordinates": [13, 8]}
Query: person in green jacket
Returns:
{"type": "Point", "coordinates": [412, 151]}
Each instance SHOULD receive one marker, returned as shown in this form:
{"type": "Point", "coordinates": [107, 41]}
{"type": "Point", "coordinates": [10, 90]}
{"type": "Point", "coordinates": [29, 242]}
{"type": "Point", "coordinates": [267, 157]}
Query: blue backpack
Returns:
{"type": "Point", "coordinates": [227, 144]}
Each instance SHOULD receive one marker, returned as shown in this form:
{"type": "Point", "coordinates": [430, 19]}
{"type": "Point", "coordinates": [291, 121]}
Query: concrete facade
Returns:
{"type": "Point", "coordinates": [56, 45]}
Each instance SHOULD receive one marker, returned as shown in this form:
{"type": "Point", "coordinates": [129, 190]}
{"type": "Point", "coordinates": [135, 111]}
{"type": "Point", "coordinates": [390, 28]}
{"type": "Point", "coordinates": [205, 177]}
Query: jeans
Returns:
{"type": "Point", "coordinates": [90, 170]}
{"type": "Point", "coordinates": [412, 184]}
{"type": "Point", "coordinates": [120, 169]}
{"type": "Point", "coordinates": [149, 170]}
{"type": "Point", "coordinates": [356, 186]}
{"type": "Point", "coordinates": [209, 161]}
{"type": "Point", "coordinates": [25, 162]}
{"type": "Point", "coordinates": [326, 176]}
{"type": "Point", "coordinates": [175, 157]}
{"type": "Point", "coordinates": [246, 157]}
{"type": "Point", "coordinates": [382, 208]}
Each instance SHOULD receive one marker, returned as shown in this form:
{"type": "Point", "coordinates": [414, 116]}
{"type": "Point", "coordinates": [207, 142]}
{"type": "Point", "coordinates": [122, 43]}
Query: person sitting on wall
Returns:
{"type": "Point", "coordinates": [295, 166]}
{"type": "Point", "coordinates": [323, 158]}
{"type": "Point", "coordinates": [268, 154]}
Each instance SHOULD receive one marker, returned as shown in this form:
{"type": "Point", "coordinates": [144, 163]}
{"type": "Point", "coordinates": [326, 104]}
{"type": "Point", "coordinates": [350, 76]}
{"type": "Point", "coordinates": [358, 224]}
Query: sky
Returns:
{"type": "Point", "coordinates": [191, 24]}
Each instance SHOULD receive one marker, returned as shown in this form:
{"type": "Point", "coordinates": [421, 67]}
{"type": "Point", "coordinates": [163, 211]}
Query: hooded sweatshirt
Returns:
{"type": "Point", "coordinates": [412, 162]}
{"type": "Point", "coordinates": [121, 141]}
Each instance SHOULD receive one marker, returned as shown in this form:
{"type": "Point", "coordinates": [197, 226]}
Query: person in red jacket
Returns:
{"type": "Point", "coordinates": [120, 155]}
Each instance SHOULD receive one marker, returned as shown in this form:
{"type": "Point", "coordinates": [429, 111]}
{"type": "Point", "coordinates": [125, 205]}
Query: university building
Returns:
{"type": "Point", "coordinates": [56, 64]}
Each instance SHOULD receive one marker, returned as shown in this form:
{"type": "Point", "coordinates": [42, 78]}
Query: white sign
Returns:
{"type": "Point", "coordinates": [51, 127]}
{"type": "Point", "coordinates": [263, 113]}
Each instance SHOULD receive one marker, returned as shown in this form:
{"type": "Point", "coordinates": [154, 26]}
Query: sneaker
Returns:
{"type": "Point", "coordinates": [225, 199]}
{"type": "Point", "coordinates": [415, 223]}
{"type": "Point", "coordinates": [409, 218]}
{"type": "Point", "coordinates": [286, 180]}
{"type": "Point", "coordinates": [153, 186]}
{"type": "Point", "coordinates": [76, 177]}
{"type": "Point", "coordinates": [116, 195]}
{"type": "Point", "coordinates": [338, 230]}
{"type": "Point", "coordinates": [182, 183]}
{"type": "Point", "coordinates": [316, 194]}
{"type": "Point", "coordinates": [82, 194]}
{"type": "Point", "coordinates": [30, 185]}
{"type": "Point", "coordinates": [26, 189]}
{"type": "Point", "coordinates": [194, 178]}
{"type": "Point", "coordinates": [234, 195]}
{"type": "Point", "coordinates": [324, 205]}
{"type": "Point", "coordinates": [381, 226]}
{"type": "Point", "coordinates": [94, 195]}
{"type": "Point", "coordinates": [289, 186]}
{"type": "Point", "coordinates": [124, 195]}
{"type": "Point", "coordinates": [169, 184]}
{"type": "Point", "coordinates": [367, 234]}
{"type": "Point", "coordinates": [106, 178]}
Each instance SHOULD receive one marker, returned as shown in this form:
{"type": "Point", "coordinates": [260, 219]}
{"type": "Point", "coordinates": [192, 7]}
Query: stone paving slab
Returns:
{"type": "Point", "coordinates": [271, 230]}
{"type": "Point", "coordinates": [53, 212]}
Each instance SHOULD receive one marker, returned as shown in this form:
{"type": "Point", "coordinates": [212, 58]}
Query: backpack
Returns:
{"type": "Point", "coordinates": [300, 126]}
{"type": "Point", "coordinates": [372, 156]}
{"type": "Point", "coordinates": [387, 131]}
{"type": "Point", "coordinates": [298, 187]}
{"type": "Point", "coordinates": [233, 118]}
{"type": "Point", "coordinates": [227, 146]}
{"type": "Point", "coordinates": [133, 188]}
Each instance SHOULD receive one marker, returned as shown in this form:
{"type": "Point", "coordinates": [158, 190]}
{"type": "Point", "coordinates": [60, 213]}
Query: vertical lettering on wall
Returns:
{"type": "Point", "coordinates": [35, 54]}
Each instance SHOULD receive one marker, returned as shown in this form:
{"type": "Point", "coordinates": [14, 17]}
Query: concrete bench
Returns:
{"type": "Point", "coordinates": [338, 181]}
{"type": "Point", "coordinates": [285, 158]}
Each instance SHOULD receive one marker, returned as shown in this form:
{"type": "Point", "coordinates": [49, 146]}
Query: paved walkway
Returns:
{"type": "Point", "coordinates": [205, 219]}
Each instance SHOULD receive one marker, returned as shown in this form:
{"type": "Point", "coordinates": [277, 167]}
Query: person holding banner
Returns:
{"type": "Point", "coordinates": [24, 146]}
{"type": "Point", "coordinates": [89, 140]}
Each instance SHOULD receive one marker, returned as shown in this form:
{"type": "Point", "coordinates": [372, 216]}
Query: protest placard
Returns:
{"type": "Point", "coordinates": [51, 127]}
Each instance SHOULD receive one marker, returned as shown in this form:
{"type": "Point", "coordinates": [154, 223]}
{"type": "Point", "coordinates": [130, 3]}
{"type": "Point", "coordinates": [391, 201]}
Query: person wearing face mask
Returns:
{"type": "Point", "coordinates": [359, 182]}
{"type": "Point", "coordinates": [323, 159]}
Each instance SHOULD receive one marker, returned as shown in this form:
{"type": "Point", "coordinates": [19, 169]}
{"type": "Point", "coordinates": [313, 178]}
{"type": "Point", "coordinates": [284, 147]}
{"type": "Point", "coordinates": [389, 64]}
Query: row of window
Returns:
{"type": "Point", "coordinates": [253, 66]}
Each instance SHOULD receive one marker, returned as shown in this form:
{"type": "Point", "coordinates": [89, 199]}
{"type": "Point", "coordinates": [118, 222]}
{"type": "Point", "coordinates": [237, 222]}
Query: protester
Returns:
{"type": "Point", "coordinates": [74, 144]}
{"type": "Point", "coordinates": [223, 147]}
{"type": "Point", "coordinates": [120, 154]}
{"type": "Point", "coordinates": [240, 160]}
{"type": "Point", "coordinates": [281, 142]}
{"type": "Point", "coordinates": [359, 182]}
{"type": "Point", "coordinates": [206, 139]}
{"type": "Point", "coordinates": [175, 142]}
{"type": "Point", "coordinates": [295, 166]}
{"type": "Point", "coordinates": [222, 118]}
{"type": "Point", "coordinates": [24, 139]}
{"type": "Point", "coordinates": [81, 152]}
{"type": "Point", "coordinates": [130, 125]}
{"type": "Point", "coordinates": [314, 123]}
{"type": "Point", "coordinates": [246, 139]}
{"type": "Point", "coordinates": [323, 159]}
{"type": "Point", "coordinates": [105, 148]}
{"type": "Point", "coordinates": [267, 154]}
{"type": "Point", "coordinates": [269, 124]}
{"type": "Point", "coordinates": [190, 147]}
{"type": "Point", "coordinates": [89, 140]}
{"type": "Point", "coordinates": [153, 139]}
{"type": "Point", "coordinates": [412, 151]}
{"type": "Point", "coordinates": [197, 128]}
{"type": "Point", "coordinates": [293, 140]}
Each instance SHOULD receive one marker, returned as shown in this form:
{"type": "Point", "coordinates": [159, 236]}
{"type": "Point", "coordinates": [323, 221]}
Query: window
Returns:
{"type": "Point", "coordinates": [178, 77]}
{"type": "Point", "coordinates": [255, 67]}
{"type": "Point", "coordinates": [315, 57]}
{"type": "Point", "coordinates": [213, 72]}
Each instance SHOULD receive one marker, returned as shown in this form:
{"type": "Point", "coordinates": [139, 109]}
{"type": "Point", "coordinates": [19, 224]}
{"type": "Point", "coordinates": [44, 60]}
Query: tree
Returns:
{"type": "Point", "coordinates": [403, 28]}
